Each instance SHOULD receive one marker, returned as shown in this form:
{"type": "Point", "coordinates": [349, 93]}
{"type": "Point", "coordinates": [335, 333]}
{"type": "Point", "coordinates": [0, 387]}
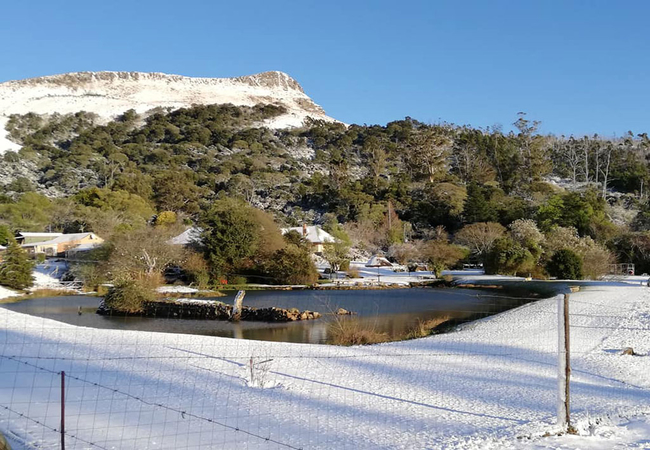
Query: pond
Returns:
{"type": "Point", "coordinates": [393, 311]}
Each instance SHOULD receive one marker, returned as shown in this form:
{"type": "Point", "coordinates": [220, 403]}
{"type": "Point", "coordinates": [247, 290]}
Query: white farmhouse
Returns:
{"type": "Point", "coordinates": [315, 235]}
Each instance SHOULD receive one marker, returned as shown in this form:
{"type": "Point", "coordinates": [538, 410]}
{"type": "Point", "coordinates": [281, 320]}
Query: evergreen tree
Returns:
{"type": "Point", "coordinates": [230, 235]}
{"type": "Point", "coordinates": [477, 206]}
{"type": "Point", "coordinates": [565, 265]}
{"type": "Point", "coordinates": [5, 234]}
{"type": "Point", "coordinates": [292, 265]}
{"type": "Point", "coordinates": [16, 267]}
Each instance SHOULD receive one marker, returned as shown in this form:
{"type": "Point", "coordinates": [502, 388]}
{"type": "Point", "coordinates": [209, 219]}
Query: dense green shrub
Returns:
{"type": "Point", "coordinates": [128, 296]}
{"type": "Point", "coordinates": [565, 264]}
{"type": "Point", "coordinates": [16, 267]}
{"type": "Point", "coordinates": [292, 265]}
{"type": "Point", "coordinates": [5, 234]}
{"type": "Point", "coordinates": [509, 258]}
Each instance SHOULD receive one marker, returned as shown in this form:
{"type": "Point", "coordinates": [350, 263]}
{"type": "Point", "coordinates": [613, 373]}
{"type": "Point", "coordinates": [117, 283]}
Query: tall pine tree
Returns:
{"type": "Point", "coordinates": [16, 267]}
{"type": "Point", "coordinates": [477, 206]}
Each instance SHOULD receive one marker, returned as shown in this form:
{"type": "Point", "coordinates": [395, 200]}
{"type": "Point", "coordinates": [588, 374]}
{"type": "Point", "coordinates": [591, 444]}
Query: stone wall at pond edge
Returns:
{"type": "Point", "coordinates": [210, 310]}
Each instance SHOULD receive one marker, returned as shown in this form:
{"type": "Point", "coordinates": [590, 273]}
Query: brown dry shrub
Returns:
{"type": "Point", "coordinates": [353, 332]}
{"type": "Point", "coordinates": [596, 261]}
{"type": "Point", "coordinates": [353, 273]}
{"type": "Point", "coordinates": [39, 293]}
{"type": "Point", "coordinates": [129, 295]}
{"type": "Point", "coordinates": [197, 270]}
{"type": "Point", "coordinates": [425, 327]}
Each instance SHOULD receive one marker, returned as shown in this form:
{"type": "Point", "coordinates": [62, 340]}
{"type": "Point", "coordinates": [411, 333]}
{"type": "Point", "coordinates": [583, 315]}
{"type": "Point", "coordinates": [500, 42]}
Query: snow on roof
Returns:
{"type": "Point", "coordinates": [314, 234]}
{"type": "Point", "coordinates": [85, 247]}
{"type": "Point", "coordinates": [3, 247]}
{"type": "Point", "coordinates": [378, 261]}
{"type": "Point", "coordinates": [30, 234]}
{"type": "Point", "coordinates": [187, 237]}
{"type": "Point", "coordinates": [74, 237]}
{"type": "Point", "coordinates": [63, 238]}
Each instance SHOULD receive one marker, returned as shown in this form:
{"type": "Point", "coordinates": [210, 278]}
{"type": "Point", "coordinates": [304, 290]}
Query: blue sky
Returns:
{"type": "Point", "coordinates": [581, 67]}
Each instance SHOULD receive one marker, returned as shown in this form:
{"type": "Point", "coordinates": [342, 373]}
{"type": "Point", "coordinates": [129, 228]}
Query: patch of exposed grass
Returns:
{"type": "Point", "coordinates": [202, 294]}
{"type": "Point", "coordinates": [425, 328]}
{"type": "Point", "coordinates": [354, 332]}
{"type": "Point", "coordinates": [348, 332]}
{"type": "Point", "coordinates": [40, 293]}
{"type": "Point", "coordinates": [15, 299]}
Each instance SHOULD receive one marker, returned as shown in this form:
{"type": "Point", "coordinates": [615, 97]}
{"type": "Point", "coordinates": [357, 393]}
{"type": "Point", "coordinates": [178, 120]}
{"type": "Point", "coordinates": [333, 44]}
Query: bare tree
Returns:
{"type": "Point", "coordinates": [142, 253]}
{"type": "Point", "coordinates": [605, 172]}
{"type": "Point", "coordinates": [428, 152]}
{"type": "Point", "coordinates": [480, 237]}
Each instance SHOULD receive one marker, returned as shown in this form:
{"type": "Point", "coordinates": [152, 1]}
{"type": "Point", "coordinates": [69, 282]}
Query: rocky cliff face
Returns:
{"type": "Point", "coordinates": [111, 93]}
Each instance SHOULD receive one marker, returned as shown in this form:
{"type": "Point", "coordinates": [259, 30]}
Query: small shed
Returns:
{"type": "Point", "coordinates": [378, 261]}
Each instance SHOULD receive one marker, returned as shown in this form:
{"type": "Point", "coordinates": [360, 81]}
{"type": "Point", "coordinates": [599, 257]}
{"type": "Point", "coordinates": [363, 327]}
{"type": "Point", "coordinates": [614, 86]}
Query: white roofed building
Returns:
{"type": "Point", "coordinates": [62, 243]}
{"type": "Point", "coordinates": [25, 237]}
{"type": "Point", "coordinates": [315, 235]}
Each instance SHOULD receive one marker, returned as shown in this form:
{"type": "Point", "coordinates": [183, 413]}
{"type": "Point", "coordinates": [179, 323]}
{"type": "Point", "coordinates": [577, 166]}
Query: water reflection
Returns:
{"type": "Point", "coordinates": [394, 312]}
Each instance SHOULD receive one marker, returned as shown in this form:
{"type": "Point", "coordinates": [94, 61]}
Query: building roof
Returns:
{"type": "Point", "coordinates": [3, 247]}
{"type": "Point", "coordinates": [85, 247]}
{"type": "Point", "coordinates": [38, 244]}
{"type": "Point", "coordinates": [63, 238]}
{"type": "Point", "coordinates": [30, 234]}
{"type": "Point", "coordinates": [74, 237]}
{"type": "Point", "coordinates": [378, 261]}
{"type": "Point", "coordinates": [314, 234]}
{"type": "Point", "coordinates": [187, 237]}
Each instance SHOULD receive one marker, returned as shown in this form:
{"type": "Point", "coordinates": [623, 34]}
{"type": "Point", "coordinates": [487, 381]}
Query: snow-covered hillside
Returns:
{"type": "Point", "coordinates": [111, 93]}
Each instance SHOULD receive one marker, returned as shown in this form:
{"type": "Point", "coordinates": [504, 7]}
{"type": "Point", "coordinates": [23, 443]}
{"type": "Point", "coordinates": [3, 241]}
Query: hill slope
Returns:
{"type": "Point", "coordinates": [111, 93]}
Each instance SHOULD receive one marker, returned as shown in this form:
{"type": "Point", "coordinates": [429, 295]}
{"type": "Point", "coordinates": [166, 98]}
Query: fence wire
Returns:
{"type": "Point", "coordinates": [133, 389]}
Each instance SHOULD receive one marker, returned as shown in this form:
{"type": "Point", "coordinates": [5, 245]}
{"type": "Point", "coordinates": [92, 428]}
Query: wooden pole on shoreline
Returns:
{"type": "Point", "coordinates": [237, 306]}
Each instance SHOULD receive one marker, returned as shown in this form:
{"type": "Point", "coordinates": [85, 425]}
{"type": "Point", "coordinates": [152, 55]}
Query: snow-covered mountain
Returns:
{"type": "Point", "coordinates": [111, 93]}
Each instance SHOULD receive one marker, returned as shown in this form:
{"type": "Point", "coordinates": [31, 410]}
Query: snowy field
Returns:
{"type": "Point", "coordinates": [490, 385]}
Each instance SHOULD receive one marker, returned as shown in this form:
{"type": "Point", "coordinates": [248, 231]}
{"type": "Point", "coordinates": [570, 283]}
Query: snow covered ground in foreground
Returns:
{"type": "Point", "coordinates": [490, 385]}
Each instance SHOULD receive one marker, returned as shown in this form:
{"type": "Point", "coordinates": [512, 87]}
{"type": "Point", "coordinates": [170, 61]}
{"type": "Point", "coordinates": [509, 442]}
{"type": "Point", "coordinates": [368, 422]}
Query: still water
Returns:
{"type": "Point", "coordinates": [391, 311]}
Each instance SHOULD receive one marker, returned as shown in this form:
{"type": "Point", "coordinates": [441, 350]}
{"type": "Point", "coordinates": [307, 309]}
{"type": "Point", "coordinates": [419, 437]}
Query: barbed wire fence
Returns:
{"type": "Point", "coordinates": [129, 389]}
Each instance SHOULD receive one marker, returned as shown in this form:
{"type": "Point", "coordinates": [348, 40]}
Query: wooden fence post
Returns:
{"type": "Point", "coordinates": [62, 410]}
{"type": "Point", "coordinates": [564, 364]}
